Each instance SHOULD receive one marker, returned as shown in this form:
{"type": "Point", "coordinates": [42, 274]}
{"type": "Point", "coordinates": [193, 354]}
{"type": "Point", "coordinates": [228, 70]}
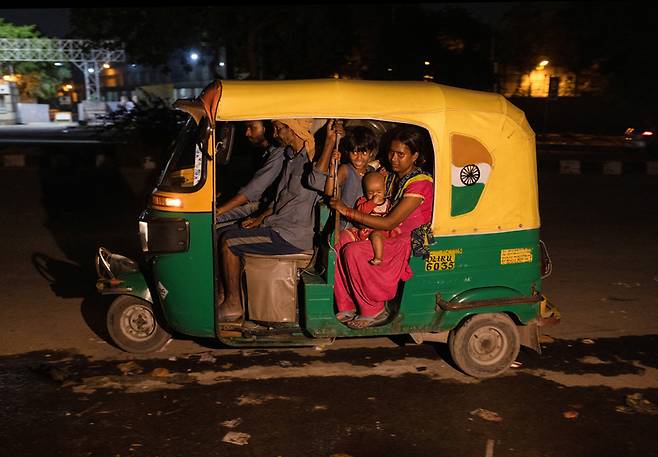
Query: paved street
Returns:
{"type": "Point", "coordinates": [66, 391]}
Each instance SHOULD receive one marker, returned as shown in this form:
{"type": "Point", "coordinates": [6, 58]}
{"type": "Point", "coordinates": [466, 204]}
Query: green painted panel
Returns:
{"type": "Point", "coordinates": [465, 198]}
{"type": "Point", "coordinates": [137, 283]}
{"type": "Point", "coordinates": [185, 281]}
{"type": "Point", "coordinates": [472, 270]}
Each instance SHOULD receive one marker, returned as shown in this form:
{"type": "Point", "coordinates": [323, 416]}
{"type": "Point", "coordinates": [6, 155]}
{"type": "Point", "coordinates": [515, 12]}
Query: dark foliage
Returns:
{"type": "Point", "coordinates": [150, 127]}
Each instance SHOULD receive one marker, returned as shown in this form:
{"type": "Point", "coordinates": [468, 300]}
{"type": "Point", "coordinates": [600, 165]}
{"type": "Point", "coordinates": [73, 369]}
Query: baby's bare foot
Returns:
{"type": "Point", "coordinates": [375, 261]}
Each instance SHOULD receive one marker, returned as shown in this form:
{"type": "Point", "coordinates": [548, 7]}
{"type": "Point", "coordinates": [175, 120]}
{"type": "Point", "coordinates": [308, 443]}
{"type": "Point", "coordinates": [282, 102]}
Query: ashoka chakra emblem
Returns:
{"type": "Point", "coordinates": [469, 175]}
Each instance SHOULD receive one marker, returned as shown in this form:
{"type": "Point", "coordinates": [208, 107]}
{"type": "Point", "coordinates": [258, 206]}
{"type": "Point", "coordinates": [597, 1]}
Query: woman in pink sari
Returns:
{"type": "Point", "coordinates": [360, 285]}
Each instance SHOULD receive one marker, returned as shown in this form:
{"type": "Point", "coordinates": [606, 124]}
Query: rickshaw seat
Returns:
{"type": "Point", "coordinates": [271, 285]}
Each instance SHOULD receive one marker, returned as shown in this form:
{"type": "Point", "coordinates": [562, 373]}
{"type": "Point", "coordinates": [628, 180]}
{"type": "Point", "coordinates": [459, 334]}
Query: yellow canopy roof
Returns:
{"type": "Point", "coordinates": [509, 200]}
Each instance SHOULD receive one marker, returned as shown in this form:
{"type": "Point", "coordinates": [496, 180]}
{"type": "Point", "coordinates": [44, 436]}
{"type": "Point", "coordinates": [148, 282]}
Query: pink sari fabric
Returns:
{"type": "Point", "coordinates": [360, 285]}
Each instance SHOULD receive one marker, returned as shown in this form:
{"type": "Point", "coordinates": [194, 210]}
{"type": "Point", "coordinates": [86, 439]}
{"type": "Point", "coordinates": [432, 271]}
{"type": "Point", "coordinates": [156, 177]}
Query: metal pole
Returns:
{"type": "Point", "coordinates": [337, 215]}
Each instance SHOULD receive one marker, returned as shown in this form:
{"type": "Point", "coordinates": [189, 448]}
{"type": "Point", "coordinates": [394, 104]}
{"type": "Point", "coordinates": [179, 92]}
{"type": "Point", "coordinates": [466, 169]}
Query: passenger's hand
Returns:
{"type": "Point", "coordinates": [253, 222]}
{"type": "Point", "coordinates": [250, 222]}
{"type": "Point", "coordinates": [338, 205]}
{"type": "Point", "coordinates": [334, 129]}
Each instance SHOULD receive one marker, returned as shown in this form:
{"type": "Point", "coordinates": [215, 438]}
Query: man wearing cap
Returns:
{"type": "Point", "coordinates": [286, 227]}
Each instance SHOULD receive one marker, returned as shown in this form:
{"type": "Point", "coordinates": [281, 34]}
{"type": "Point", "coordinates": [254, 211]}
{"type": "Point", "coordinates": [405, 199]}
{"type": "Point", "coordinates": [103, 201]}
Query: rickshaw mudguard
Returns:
{"type": "Point", "coordinates": [133, 283]}
{"type": "Point", "coordinates": [510, 301]}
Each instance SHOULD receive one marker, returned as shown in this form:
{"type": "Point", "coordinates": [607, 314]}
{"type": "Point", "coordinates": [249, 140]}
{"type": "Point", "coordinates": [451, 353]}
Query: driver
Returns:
{"type": "Point", "coordinates": [259, 192]}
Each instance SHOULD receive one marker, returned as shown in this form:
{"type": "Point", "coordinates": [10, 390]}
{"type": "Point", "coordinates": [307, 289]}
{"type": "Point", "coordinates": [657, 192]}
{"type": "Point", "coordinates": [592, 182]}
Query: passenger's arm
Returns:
{"type": "Point", "coordinates": [264, 176]}
{"type": "Point", "coordinates": [399, 213]}
{"type": "Point", "coordinates": [340, 179]}
{"type": "Point", "coordinates": [234, 202]}
{"type": "Point", "coordinates": [334, 129]}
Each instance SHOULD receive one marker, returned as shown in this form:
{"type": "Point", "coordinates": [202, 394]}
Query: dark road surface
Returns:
{"type": "Point", "coordinates": [65, 391]}
{"type": "Point", "coordinates": [70, 406]}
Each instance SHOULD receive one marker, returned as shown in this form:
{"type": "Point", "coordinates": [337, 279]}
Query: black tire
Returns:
{"type": "Point", "coordinates": [133, 325]}
{"type": "Point", "coordinates": [484, 345]}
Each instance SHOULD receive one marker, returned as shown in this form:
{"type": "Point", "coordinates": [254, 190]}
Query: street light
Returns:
{"type": "Point", "coordinates": [194, 56]}
{"type": "Point", "coordinates": [542, 64]}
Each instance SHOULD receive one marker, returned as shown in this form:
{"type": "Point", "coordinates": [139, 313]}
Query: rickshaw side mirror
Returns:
{"type": "Point", "coordinates": [224, 146]}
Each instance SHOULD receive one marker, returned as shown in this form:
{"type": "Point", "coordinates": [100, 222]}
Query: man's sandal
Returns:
{"type": "Point", "coordinates": [346, 316]}
{"type": "Point", "coordinates": [360, 322]}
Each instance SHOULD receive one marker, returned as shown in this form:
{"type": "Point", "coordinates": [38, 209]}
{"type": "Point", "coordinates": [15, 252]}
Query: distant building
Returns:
{"type": "Point", "coordinates": [190, 73]}
{"type": "Point", "coordinates": [536, 83]}
{"type": "Point", "coordinates": [8, 96]}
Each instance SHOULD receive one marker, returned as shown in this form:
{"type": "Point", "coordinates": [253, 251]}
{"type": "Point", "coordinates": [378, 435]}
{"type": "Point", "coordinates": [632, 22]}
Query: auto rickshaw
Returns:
{"type": "Point", "coordinates": [479, 290]}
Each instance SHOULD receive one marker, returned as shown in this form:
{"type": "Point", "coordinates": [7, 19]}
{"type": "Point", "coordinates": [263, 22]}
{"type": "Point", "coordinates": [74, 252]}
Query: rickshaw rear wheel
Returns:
{"type": "Point", "coordinates": [484, 345]}
{"type": "Point", "coordinates": [134, 327]}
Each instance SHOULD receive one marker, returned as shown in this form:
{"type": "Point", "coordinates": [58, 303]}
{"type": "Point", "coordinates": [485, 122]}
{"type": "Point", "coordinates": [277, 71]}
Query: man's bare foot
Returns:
{"type": "Point", "coordinates": [229, 312]}
{"type": "Point", "coordinates": [374, 261]}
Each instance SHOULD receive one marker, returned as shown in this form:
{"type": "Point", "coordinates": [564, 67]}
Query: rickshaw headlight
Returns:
{"type": "Point", "coordinates": [144, 235]}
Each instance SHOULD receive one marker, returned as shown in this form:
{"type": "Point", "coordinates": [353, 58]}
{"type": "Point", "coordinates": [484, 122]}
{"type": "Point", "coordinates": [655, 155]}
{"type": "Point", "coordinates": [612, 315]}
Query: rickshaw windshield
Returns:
{"type": "Point", "coordinates": [186, 168]}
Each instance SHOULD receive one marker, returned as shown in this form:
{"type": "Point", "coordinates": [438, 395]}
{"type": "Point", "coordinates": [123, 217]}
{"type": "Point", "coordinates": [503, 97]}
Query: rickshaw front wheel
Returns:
{"type": "Point", "coordinates": [484, 345]}
{"type": "Point", "coordinates": [133, 326]}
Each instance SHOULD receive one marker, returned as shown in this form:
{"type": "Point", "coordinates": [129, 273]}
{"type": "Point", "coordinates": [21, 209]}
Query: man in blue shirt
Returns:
{"type": "Point", "coordinates": [286, 227]}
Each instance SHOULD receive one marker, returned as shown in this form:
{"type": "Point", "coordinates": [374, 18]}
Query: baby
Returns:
{"type": "Point", "coordinates": [374, 203]}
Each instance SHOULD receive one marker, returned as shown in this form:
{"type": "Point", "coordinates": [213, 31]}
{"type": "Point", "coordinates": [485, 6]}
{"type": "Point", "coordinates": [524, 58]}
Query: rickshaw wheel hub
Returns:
{"type": "Point", "coordinates": [487, 345]}
{"type": "Point", "coordinates": [138, 322]}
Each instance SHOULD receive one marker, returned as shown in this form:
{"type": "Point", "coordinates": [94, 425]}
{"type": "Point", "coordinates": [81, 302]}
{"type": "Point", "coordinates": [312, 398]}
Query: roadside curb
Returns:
{"type": "Point", "coordinates": [600, 167]}
{"type": "Point", "coordinates": [59, 160]}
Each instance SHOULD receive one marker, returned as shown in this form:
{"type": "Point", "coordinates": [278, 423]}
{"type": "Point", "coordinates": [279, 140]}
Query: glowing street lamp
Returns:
{"type": "Point", "coordinates": [542, 64]}
{"type": "Point", "coordinates": [194, 56]}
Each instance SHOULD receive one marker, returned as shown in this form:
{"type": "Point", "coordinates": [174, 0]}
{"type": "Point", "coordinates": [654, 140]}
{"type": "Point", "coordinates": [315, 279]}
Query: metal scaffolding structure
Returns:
{"type": "Point", "coordinates": [81, 53]}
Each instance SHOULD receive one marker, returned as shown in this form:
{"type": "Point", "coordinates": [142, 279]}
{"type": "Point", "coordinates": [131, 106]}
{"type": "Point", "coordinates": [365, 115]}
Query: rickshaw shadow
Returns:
{"type": "Point", "coordinates": [66, 279]}
{"type": "Point", "coordinates": [88, 203]}
{"type": "Point", "coordinates": [440, 349]}
{"type": "Point", "coordinates": [69, 280]}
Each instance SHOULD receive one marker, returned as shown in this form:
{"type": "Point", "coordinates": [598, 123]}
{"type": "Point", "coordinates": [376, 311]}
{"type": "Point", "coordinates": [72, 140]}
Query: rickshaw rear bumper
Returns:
{"type": "Point", "coordinates": [548, 313]}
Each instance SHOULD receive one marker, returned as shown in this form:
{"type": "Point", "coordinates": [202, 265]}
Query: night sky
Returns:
{"type": "Point", "coordinates": [51, 22]}
{"type": "Point", "coordinates": [55, 22]}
